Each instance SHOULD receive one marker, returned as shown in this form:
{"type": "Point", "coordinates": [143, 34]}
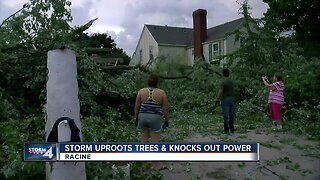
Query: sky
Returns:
{"type": "Point", "coordinates": [123, 20]}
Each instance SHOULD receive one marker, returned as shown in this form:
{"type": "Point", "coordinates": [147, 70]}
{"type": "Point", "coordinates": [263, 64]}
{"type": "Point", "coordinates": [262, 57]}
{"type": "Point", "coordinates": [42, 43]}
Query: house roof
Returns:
{"type": "Point", "coordinates": [219, 31]}
{"type": "Point", "coordinates": [184, 36]}
{"type": "Point", "coordinates": [171, 35]}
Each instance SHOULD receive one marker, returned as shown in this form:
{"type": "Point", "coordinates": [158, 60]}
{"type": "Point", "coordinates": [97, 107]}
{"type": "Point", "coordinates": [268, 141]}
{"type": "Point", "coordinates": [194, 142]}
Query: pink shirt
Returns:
{"type": "Point", "coordinates": [277, 95]}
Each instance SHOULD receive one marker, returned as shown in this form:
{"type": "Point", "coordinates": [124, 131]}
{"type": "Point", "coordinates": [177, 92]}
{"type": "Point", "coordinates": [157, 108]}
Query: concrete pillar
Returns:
{"type": "Point", "coordinates": [62, 101]}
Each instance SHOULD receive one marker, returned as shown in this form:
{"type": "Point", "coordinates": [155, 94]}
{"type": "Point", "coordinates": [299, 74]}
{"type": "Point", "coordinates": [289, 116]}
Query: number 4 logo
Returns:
{"type": "Point", "coordinates": [48, 153]}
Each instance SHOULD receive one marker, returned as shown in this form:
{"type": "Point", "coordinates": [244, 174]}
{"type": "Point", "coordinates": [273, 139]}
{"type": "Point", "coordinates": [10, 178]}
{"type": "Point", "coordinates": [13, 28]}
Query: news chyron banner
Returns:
{"type": "Point", "coordinates": [142, 152]}
{"type": "Point", "coordinates": [40, 152]}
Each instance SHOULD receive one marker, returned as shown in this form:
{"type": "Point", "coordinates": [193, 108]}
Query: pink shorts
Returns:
{"type": "Point", "coordinates": [275, 112]}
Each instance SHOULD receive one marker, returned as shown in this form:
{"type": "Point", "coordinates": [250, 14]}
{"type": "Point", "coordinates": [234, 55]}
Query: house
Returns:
{"type": "Point", "coordinates": [184, 45]}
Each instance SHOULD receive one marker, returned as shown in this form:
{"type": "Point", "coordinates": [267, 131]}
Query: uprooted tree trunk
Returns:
{"type": "Point", "coordinates": [146, 70]}
{"type": "Point", "coordinates": [186, 76]}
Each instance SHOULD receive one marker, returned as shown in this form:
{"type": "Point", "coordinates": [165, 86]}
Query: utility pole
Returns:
{"type": "Point", "coordinates": [62, 101]}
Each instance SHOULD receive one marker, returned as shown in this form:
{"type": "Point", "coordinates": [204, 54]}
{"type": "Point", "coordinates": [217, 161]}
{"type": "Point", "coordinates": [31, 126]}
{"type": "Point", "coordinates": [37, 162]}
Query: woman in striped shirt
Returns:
{"type": "Point", "coordinates": [276, 99]}
{"type": "Point", "coordinates": [151, 109]}
{"type": "Point", "coordinates": [152, 113]}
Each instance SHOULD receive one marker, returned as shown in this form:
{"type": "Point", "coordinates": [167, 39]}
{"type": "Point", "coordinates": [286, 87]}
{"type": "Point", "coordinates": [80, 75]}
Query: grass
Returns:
{"type": "Point", "coordinates": [310, 130]}
{"type": "Point", "coordinates": [284, 177]}
{"type": "Point", "coordinates": [293, 166]}
{"type": "Point", "coordinates": [187, 167]}
{"type": "Point", "coordinates": [186, 124]}
{"type": "Point", "coordinates": [278, 161]}
{"type": "Point", "coordinates": [286, 141]}
{"type": "Point", "coordinates": [298, 146]}
{"type": "Point", "coordinates": [311, 151]}
{"type": "Point", "coordinates": [304, 172]}
{"type": "Point", "coordinates": [226, 138]}
{"type": "Point", "coordinates": [243, 136]}
{"type": "Point", "coordinates": [242, 165]}
{"type": "Point", "coordinates": [218, 174]}
{"type": "Point", "coordinates": [196, 177]}
{"type": "Point", "coordinates": [271, 145]}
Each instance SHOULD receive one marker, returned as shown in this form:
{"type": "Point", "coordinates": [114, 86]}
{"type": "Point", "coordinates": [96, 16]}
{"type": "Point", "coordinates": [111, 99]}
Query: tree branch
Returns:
{"type": "Point", "coordinates": [211, 70]}
{"type": "Point", "coordinates": [145, 70]}
{"type": "Point", "coordinates": [273, 172]}
{"type": "Point", "coordinates": [176, 77]}
{"type": "Point", "coordinates": [24, 6]}
{"type": "Point", "coordinates": [83, 27]}
{"type": "Point", "coordinates": [119, 67]}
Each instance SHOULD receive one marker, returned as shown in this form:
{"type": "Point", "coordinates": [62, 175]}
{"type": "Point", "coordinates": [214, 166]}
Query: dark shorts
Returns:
{"type": "Point", "coordinates": [151, 122]}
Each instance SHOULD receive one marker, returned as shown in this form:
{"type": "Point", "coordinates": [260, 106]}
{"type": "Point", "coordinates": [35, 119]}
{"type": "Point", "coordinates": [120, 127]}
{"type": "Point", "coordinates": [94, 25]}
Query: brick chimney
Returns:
{"type": "Point", "coordinates": [199, 31]}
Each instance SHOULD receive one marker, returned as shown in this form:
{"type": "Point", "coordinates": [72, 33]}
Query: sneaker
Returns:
{"type": "Point", "coordinates": [275, 128]}
{"type": "Point", "coordinates": [279, 127]}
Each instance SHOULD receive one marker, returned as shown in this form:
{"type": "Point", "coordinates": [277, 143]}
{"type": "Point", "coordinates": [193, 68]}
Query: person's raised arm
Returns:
{"type": "Point", "coordinates": [165, 107]}
{"type": "Point", "coordinates": [137, 105]}
{"type": "Point", "coordinates": [267, 84]}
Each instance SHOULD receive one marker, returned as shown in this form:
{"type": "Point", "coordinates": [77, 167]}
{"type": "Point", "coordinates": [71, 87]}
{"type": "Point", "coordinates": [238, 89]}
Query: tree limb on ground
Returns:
{"type": "Point", "coordinates": [145, 70]}
{"type": "Point", "coordinates": [211, 70]}
{"type": "Point", "coordinates": [273, 172]}
{"type": "Point", "coordinates": [175, 77]}
{"type": "Point", "coordinates": [119, 67]}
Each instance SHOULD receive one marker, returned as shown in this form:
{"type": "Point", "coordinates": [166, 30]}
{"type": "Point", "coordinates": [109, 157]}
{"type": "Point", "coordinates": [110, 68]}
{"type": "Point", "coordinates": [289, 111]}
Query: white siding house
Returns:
{"type": "Point", "coordinates": [162, 41]}
{"type": "Point", "coordinates": [146, 49]}
{"type": "Point", "coordinates": [177, 44]}
{"type": "Point", "coordinates": [175, 54]}
{"type": "Point", "coordinates": [190, 56]}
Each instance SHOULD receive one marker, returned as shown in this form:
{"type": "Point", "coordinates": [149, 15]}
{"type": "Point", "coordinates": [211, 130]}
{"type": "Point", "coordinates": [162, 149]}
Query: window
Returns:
{"type": "Point", "coordinates": [214, 51]}
{"type": "Point", "coordinates": [151, 52]}
{"type": "Point", "coordinates": [140, 55]}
